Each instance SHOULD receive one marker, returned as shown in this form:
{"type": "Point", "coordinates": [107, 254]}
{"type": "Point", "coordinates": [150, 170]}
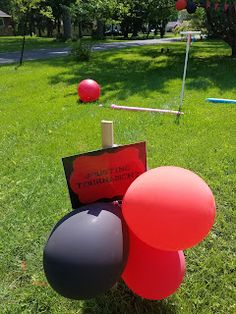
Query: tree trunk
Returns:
{"type": "Point", "coordinates": [156, 29]}
{"type": "Point", "coordinates": [40, 30]}
{"type": "Point", "coordinates": [31, 21]}
{"type": "Point", "coordinates": [163, 28]}
{"type": "Point", "coordinates": [125, 28]}
{"type": "Point", "coordinates": [135, 28]}
{"type": "Point", "coordinates": [49, 28]}
{"type": "Point", "coordinates": [126, 32]}
{"type": "Point", "coordinates": [162, 32]}
{"type": "Point", "coordinates": [39, 27]}
{"type": "Point", "coordinates": [100, 30]}
{"type": "Point", "coordinates": [135, 33]}
{"type": "Point", "coordinates": [80, 29]}
{"type": "Point", "coordinates": [67, 29]}
{"type": "Point", "coordinates": [58, 27]}
{"type": "Point", "coordinates": [234, 48]}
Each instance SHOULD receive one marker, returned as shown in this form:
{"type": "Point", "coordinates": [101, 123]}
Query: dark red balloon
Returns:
{"type": "Point", "coordinates": [88, 90]}
{"type": "Point", "coordinates": [151, 273]}
{"type": "Point", "coordinates": [181, 5]}
{"type": "Point", "coordinates": [169, 208]}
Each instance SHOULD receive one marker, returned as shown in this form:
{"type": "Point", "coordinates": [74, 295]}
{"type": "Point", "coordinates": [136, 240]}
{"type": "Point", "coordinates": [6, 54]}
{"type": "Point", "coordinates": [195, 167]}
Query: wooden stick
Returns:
{"type": "Point", "coordinates": [107, 134]}
{"type": "Point", "coordinates": [147, 109]}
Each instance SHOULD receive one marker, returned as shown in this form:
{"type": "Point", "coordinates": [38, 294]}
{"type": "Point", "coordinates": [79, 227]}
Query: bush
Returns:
{"type": "Point", "coordinates": [81, 51]}
{"type": "Point", "coordinates": [185, 26]}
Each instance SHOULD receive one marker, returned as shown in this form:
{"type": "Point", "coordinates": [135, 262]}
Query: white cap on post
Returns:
{"type": "Point", "coordinates": [107, 134]}
{"type": "Point", "coordinates": [191, 33]}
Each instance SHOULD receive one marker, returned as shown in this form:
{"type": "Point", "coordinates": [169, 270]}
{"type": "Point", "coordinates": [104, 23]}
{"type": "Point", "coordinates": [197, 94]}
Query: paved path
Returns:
{"type": "Point", "coordinates": [12, 57]}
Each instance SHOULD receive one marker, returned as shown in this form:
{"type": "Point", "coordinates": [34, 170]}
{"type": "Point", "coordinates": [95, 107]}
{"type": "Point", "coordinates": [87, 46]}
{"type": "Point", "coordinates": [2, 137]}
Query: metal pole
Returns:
{"type": "Point", "coordinates": [23, 42]}
{"type": "Point", "coordinates": [22, 51]}
{"type": "Point", "coordinates": [185, 71]}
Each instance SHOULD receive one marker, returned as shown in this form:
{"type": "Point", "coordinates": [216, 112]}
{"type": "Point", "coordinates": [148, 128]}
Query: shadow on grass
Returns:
{"type": "Point", "coordinates": [143, 70]}
{"type": "Point", "coordinates": [120, 300]}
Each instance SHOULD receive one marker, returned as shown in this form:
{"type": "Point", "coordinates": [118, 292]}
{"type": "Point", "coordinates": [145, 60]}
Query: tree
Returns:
{"type": "Point", "coordinates": [27, 15]}
{"type": "Point", "coordinates": [222, 21]}
{"type": "Point", "coordinates": [139, 14]}
{"type": "Point", "coordinates": [61, 11]}
{"type": "Point", "coordinates": [93, 12]}
{"type": "Point", "coordinates": [159, 14]}
{"type": "Point", "coordinates": [26, 11]}
{"type": "Point", "coordinates": [5, 6]}
{"type": "Point", "coordinates": [82, 15]}
{"type": "Point", "coordinates": [196, 21]}
{"type": "Point", "coordinates": [221, 18]}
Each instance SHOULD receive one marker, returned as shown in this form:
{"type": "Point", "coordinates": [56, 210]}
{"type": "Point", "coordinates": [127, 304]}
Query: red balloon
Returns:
{"type": "Point", "coordinates": [181, 5]}
{"type": "Point", "coordinates": [88, 90]}
{"type": "Point", "coordinates": [151, 273]}
{"type": "Point", "coordinates": [169, 208]}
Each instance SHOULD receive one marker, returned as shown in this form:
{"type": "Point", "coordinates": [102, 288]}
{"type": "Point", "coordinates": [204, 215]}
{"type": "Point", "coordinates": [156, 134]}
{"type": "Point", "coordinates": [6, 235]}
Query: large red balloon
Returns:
{"type": "Point", "coordinates": [181, 5]}
{"type": "Point", "coordinates": [169, 208]}
{"type": "Point", "coordinates": [88, 90]}
{"type": "Point", "coordinates": [151, 273]}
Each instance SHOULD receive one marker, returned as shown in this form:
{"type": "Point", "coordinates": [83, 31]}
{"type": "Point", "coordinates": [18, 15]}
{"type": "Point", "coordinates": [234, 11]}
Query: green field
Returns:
{"type": "Point", "coordinates": [14, 43]}
{"type": "Point", "coordinates": [41, 122]}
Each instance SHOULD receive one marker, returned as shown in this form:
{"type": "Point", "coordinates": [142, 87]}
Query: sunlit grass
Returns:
{"type": "Point", "coordinates": [41, 122]}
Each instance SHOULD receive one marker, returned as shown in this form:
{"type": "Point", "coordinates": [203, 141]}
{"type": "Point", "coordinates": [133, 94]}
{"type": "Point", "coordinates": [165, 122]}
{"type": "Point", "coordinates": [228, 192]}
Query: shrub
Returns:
{"type": "Point", "coordinates": [81, 51]}
{"type": "Point", "coordinates": [185, 26]}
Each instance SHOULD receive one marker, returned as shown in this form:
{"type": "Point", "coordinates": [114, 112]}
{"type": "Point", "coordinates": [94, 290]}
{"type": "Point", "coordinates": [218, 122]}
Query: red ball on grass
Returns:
{"type": "Point", "coordinates": [88, 90]}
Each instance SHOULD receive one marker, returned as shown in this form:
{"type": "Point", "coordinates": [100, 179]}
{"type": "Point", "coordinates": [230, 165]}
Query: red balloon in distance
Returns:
{"type": "Point", "coordinates": [169, 208]}
{"type": "Point", "coordinates": [151, 273]}
{"type": "Point", "coordinates": [181, 5]}
{"type": "Point", "coordinates": [88, 90]}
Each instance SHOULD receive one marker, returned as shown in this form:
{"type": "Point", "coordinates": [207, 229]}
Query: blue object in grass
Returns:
{"type": "Point", "coordinates": [221, 100]}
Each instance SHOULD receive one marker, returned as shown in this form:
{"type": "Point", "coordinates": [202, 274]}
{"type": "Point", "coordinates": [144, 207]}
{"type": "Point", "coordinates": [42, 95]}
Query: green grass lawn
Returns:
{"type": "Point", "coordinates": [41, 122]}
{"type": "Point", "coordinates": [14, 43]}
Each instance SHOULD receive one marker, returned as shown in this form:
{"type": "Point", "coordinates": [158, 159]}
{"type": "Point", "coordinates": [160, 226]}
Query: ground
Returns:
{"type": "Point", "coordinates": [14, 43]}
{"type": "Point", "coordinates": [11, 43]}
{"type": "Point", "coordinates": [41, 122]}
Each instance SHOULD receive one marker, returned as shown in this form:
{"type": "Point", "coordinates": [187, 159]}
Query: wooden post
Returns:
{"type": "Point", "coordinates": [107, 134]}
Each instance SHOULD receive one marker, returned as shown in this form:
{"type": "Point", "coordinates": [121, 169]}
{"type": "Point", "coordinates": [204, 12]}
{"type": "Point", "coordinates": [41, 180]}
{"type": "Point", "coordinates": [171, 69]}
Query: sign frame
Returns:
{"type": "Point", "coordinates": [114, 186]}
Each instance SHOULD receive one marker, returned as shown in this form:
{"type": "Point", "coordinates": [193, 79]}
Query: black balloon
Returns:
{"type": "Point", "coordinates": [191, 7]}
{"type": "Point", "coordinates": [202, 3]}
{"type": "Point", "coordinates": [86, 251]}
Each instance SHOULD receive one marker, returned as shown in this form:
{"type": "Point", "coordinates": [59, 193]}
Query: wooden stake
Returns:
{"type": "Point", "coordinates": [146, 109]}
{"type": "Point", "coordinates": [107, 134]}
